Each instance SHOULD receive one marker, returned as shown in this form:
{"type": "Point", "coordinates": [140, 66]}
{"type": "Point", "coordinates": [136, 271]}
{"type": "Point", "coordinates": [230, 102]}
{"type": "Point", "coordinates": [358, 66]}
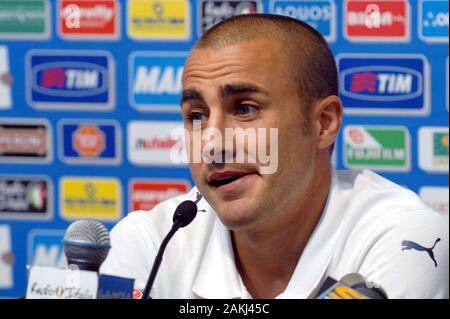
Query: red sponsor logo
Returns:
{"type": "Point", "coordinates": [145, 194]}
{"type": "Point", "coordinates": [376, 20]}
{"type": "Point", "coordinates": [137, 294]}
{"type": "Point", "coordinates": [88, 18]}
{"type": "Point", "coordinates": [88, 140]}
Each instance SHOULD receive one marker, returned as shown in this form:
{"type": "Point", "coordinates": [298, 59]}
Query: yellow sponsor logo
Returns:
{"type": "Point", "coordinates": [90, 198]}
{"type": "Point", "coordinates": [343, 292]}
{"type": "Point", "coordinates": [164, 19]}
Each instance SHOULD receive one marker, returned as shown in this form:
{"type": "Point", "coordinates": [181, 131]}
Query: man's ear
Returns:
{"type": "Point", "coordinates": [328, 120]}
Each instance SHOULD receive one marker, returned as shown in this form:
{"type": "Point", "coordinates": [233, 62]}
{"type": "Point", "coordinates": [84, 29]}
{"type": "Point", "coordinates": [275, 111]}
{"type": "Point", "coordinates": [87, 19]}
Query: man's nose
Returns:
{"type": "Point", "coordinates": [216, 149]}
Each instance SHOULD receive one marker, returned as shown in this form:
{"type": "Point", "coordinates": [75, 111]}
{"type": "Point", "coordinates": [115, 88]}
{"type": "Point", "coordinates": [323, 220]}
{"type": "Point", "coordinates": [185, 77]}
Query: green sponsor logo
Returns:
{"type": "Point", "coordinates": [383, 148]}
{"type": "Point", "coordinates": [23, 17]}
{"type": "Point", "coordinates": [440, 148]}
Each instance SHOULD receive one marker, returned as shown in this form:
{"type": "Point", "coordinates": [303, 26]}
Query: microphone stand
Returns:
{"type": "Point", "coordinates": [158, 260]}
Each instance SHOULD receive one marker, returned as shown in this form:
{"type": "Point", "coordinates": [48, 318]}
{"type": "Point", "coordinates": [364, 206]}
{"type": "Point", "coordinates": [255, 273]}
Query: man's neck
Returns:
{"type": "Point", "coordinates": [266, 260]}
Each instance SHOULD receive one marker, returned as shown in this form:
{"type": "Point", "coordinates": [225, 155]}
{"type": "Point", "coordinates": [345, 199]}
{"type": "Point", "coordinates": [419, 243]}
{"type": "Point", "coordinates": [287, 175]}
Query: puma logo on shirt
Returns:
{"type": "Point", "coordinates": [408, 245]}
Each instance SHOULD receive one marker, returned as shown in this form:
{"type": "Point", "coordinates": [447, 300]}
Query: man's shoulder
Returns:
{"type": "Point", "coordinates": [373, 196]}
{"type": "Point", "coordinates": [376, 203]}
{"type": "Point", "coordinates": [392, 237]}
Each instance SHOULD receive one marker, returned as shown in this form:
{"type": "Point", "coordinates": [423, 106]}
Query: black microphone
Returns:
{"type": "Point", "coordinates": [183, 216]}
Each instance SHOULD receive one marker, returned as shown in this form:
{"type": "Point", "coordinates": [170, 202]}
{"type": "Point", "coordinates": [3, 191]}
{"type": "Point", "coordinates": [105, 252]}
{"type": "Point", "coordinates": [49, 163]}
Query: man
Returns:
{"type": "Point", "coordinates": [278, 234]}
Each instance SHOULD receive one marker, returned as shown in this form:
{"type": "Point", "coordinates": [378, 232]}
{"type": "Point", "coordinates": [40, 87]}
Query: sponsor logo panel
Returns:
{"type": "Point", "coordinates": [25, 140]}
{"type": "Point", "coordinates": [380, 21]}
{"type": "Point", "coordinates": [385, 148]}
{"type": "Point", "coordinates": [85, 197]}
{"type": "Point", "coordinates": [24, 19]}
{"type": "Point", "coordinates": [433, 20]}
{"type": "Point", "coordinates": [159, 20]}
{"type": "Point", "coordinates": [25, 197]}
{"type": "Point", "coordinates": [321, 15]}
{"type": "Point", "coordinates": [436, 197]}
{"type": "Point", "coordinates": [433, 149]}
{"type": "Point", "coordinates": [5, 80]}
{"type": "Point", "coordinates": [81, 80]}
{"type": "Point", "coordinates": [384, 84]}
{"type": "Point", "coordinates": [447, 83]}
{"type": "Point", "coordinates": [83, 19]}
{"type": "Point", "coordinates": [146, 194]}
{"type": "Point", "coordinates": [90, 141]}
{"type": "Point", "coordinates": [212, 12]}
{"type": "Point", "coordinates": [151, 143]}
{"type": "Point", "coordinates": [45, 248]}
{"type": "Point", "coordinates": [6, 258]}
{"type": "Point", "coordinates": [155, 80]}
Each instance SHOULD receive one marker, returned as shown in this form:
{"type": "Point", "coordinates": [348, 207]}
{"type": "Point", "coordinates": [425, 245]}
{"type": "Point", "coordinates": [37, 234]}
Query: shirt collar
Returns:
{"type": "Point", "coordinates": [218, 277]}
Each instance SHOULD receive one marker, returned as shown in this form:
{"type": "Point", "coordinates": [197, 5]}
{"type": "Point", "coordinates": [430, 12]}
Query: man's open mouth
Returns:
{"type": "Point", "coordinates": [220, 179]}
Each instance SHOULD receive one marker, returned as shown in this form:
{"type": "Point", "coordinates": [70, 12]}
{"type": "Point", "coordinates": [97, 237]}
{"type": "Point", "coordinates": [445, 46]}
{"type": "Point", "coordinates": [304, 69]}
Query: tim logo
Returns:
{"type": "Point", "coordinates": [155, 80]}
{"type": "Point", "coordinates": [389, 84]}
{"type": "Point", "coordinates": [408, 245]}
{"type": "Point", "coordinates": [68, 80]}
{"type": "Point", "coordinates": [369, 20]}
{"type": "Point", "coordinates": [89, 142]}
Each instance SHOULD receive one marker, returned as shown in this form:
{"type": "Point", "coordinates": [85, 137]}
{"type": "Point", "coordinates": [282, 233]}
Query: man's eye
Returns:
{"type": "Point", "coordinates": [197, 116]}
{"type": "Point", "coordinates": [246, 109]}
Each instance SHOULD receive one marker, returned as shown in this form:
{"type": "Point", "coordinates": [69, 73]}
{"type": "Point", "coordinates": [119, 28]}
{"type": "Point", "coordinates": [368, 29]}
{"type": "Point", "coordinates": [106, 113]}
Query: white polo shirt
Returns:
{"type": "Point", "coordinates": [369, 226]}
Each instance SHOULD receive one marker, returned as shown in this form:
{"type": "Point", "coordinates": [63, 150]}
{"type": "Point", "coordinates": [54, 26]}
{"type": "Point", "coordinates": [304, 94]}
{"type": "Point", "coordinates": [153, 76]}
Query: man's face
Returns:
{"type": "Point", "coordinates": [247, 86]}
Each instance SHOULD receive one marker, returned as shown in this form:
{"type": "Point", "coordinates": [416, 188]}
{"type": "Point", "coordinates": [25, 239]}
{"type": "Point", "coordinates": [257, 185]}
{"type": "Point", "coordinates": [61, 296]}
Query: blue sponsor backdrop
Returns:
{"type": "Point", "coordinates": [109, 82]}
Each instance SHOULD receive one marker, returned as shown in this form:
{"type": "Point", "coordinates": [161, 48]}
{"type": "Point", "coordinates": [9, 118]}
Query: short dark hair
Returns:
{"type": "Point", "coordinates": [305, 47]}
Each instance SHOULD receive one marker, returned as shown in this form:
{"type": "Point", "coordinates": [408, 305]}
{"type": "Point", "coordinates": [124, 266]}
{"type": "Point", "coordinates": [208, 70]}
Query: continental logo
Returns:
{"type": "Point", "coordinates": [159, 20]}
{"type": "Point", "coordinates": [85, 197]}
